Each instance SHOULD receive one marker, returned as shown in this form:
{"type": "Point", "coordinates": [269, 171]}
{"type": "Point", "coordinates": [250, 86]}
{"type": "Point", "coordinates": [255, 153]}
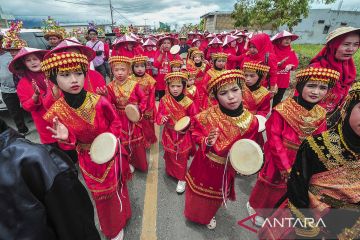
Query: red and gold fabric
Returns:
{"type": "Point", "coordinates": [178, 146]}
{"type": "Point", "coordinates": [288, 125]}
{"type": "Point", "coordinates": [257, 101]}
{"type": "Point", "coordinates": [209, 182]}
{"type": "Point", "coordinates": [121, 94]}
{"type": "Point", "coordinates": [147, 85]}
{"type": "Point", "coordinates": [93, 117]}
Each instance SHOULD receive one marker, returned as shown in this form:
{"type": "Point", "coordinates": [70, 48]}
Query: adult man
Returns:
{"type": "Point", "coordinates": [41, 196]}
{"type": "Point", "coordinates": [8, 49]}
{"type": "Point", "coordinates": [53, 33]}
{"type": "Point", "coordinates": [98, 47]}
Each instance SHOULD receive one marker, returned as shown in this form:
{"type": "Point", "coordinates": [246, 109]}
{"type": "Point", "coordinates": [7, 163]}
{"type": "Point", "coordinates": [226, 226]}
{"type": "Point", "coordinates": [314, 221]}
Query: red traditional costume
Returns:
{"type": "Point", "coordinates": [147, 85]}
{"type": "Point", "coordinates": [283, 52]}
{"type": "Point", "coordinates": [347, 69]}
{"type": "Point", "coordinates": [211, 73]}
{"type": "Point", "coordinates": [25, 91]}
{"type": "Point", "coordinates": [257, 98]}
{"type": "Point", "coordinates": [150, 54]}
{"type": "Point", "coordinates": [241, 46]}
{"type": "Point", "coordinates": [214, 47]}
{"type": "Point", "coordinates": [233, 60]}
{"type": "Point", "coordinates": [265, 55]}
{"type": "Point", "coordinates": [93, 79]}
{"type": "Point", "coordinates": [162, 63]}
{"type": "Point", "coordinates": [121, 94]}
{"type": "Point", "coordinates": [106, 182]}
{"type": "Point", "coordinates": [289, 124]}
{"type": "Point", "coordinates": [202, 67]}
{"type": "Point", "coordinates": [210, 180]}
{"type": "Point", "coordinates": [193, 91]}
{"type": "Point", "coordinates": [120, 47]}
{"type": "Point", "coordinates": [324, 184]}
{"type": "Point", "coordinates": [177, 145]}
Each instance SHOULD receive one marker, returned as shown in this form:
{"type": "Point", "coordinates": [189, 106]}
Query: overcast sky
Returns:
{"type": "Point", "coordinates": [131, 11]}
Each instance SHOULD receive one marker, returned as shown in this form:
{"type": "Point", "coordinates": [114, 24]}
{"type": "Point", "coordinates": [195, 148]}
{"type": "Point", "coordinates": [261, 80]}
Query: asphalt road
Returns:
{"type": "Point", "coordinates": [157, 210]}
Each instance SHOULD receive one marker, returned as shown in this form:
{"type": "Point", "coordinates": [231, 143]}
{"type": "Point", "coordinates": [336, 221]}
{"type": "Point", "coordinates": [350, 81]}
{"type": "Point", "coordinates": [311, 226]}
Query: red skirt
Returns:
{"type": "Point", "coordinates": [200, 209]}
{"type": "Point", "coordinates": [176, 164]}
{"type": "Point", "coordinates": [149, 131]}
{"type": "Point", "coordinates": [265, 196]}
{"type": "Point", "coordinates": [137, 155]}
{"type": "Point", "coordinates": [112, 215]}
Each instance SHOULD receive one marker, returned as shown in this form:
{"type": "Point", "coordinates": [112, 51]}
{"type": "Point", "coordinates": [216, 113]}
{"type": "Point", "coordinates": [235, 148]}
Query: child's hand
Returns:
{"type": "Point", "coordinates": [164, 119]}
{"type": "Point", "coordinates": [102, 91]}
{"type": "Point", "coordinates": [213, 136]}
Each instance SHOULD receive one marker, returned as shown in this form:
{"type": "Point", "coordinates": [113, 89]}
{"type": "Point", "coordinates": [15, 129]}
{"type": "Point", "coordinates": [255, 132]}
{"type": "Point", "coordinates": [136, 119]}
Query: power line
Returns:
{"type": "Point", "coordinates": [122, 16]}
{"type": "Point", "coordinates": [82, 3]}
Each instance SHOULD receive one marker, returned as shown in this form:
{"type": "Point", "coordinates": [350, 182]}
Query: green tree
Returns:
{"type": "Point", "coordinates": [258, 13]}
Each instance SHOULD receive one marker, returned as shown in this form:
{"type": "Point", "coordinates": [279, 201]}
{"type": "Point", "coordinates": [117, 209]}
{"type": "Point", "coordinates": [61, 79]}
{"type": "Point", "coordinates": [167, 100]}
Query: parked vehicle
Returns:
{"type": "Point", "coordinates": [35, 39]}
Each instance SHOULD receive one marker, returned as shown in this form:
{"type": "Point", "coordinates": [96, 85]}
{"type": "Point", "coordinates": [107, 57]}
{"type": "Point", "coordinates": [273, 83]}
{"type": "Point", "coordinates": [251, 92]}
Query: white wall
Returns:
{"type": "Point", "coordinates": [311, 31]}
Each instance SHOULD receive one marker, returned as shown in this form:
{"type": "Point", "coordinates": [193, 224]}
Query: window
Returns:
{"type": "Point", "coordinates": [326, 29]}
{"type": "Point", "coordinates": [321, 21]}
{"type": "Point", "coordinates": [343, 24]}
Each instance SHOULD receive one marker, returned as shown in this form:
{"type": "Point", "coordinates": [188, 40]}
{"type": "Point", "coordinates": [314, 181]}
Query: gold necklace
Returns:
{"type": "Point", "coordinates": [343, 141]}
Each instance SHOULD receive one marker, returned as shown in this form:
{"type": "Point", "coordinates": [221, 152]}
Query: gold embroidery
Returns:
{"type": "Point", "coordinates": [186, 102]}
{"type": "Point", "coordinates": [350, 233]}
{"type": "Point", "coordinates": [145, 80]}
{"type": "Point", "coordinates": [86, 110]}
{"type": "Point", "coordinates": [213, 157]}
{"type": "Point", "coordinates": [191, 90]}
{"type": "Point", "coordinates": [230, 128]}
{"type": "Point", "coordinates": [203, 191]}
{"type": "Point", "coordinates": [302, 121]}
{"type": "Point", "coordinates": [70, 117]}
{"type": "Point", "coordinates": [102, 178]}
{"type": "Point", "coordinates": [213, 72]}
{"type": "Point", "coordinates": [259, 94]}
{"type": "Point", "coordinates": [310, 230]}
{"type": "Point", "coordinates": [243, 121]}
{"type": "Point", "coordinates": [122, 91]}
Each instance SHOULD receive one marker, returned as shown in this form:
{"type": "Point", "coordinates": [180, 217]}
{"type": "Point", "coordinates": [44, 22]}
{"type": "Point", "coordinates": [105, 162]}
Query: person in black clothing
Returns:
{"type": "Point", "coordinates": [324, 181]}
{"type": "Point", "coordinates": [41, 196]}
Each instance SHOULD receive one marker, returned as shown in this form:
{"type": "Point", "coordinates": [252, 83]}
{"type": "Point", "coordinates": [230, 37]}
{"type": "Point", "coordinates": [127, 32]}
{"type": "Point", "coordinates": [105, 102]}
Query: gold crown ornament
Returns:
{"type": "Point", "coordinates": [325, 75]}
{"type": "Point", "coordinates": [224, 78]}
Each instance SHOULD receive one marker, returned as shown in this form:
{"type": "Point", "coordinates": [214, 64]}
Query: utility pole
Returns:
{"type": "Point", "coordinates": [145, 26]}
{"type": "Point", "coordinates": [112, 18]}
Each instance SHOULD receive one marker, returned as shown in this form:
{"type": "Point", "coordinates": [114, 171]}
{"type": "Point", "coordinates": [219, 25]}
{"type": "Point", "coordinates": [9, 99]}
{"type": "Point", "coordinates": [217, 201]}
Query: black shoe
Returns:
{"type": "Point", "coordinates": [24, 131]}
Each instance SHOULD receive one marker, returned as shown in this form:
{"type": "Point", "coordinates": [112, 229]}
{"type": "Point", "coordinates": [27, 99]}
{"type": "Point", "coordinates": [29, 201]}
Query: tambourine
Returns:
{"type": "Point", "coordinates": [182, 124]}
{"type": "Point", "coordinates": [103, 148]}
{"type": "Point", "coordinates": [132, 113]}
{"type": "Point", "coordinates": [262, 121]}
{"type": "Point", "coordinates": [246, 157]}
{"type": "Point", "coordinates": [175, 49]}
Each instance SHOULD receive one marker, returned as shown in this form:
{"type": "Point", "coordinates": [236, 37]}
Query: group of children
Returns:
{"type": "Point", "coordinates": [71, 109]}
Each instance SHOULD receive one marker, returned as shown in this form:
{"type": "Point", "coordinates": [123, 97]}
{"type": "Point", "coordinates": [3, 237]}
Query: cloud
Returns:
{"type": "Point", "coordinates": [125, 11]}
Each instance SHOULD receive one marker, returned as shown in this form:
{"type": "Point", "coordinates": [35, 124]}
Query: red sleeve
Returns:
{"type": "Point", "coordinates": [272, 63]}
{"type": "Point", "coordinates": [160, 113]}
{"type": "Point", "coordinates": [25, 92]}
{"type": "Point", "coordinates": [151, 107]}
{"type": "Point", "coordinates": [294, 60]}
{"type": "Point", "coordinates": [198, 135]}
{"type": "Point", "coordinates": [48, 99]}
{"type": "Point", "coordinates": [264, 107]}
{"type": "Point", "coordinates": [142, 101]}
{"type": "Point", "coordinates": [157, 63]}
{"type": "Point", "coordinates": [274, 128]}
{"type": "Point", "coordinates": [71, 144]}
{"type": "Point", "coordinates": [106, 51]}
{"type": "Point", "coordinates": [115, 127]}
{"type": "Point", "coordinates": [111, 95]}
